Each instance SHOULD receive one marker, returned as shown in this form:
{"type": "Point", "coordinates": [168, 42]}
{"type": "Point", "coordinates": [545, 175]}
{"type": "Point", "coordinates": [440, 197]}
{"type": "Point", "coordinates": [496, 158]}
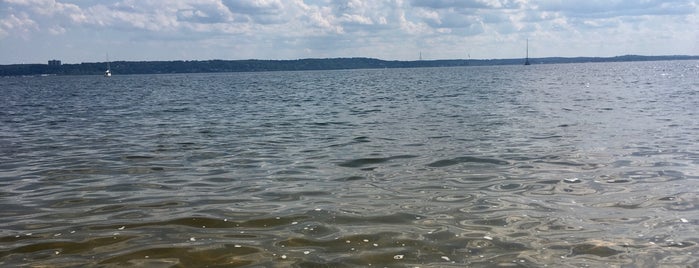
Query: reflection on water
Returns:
{"type": "Point", "coordinates": [559, 165]}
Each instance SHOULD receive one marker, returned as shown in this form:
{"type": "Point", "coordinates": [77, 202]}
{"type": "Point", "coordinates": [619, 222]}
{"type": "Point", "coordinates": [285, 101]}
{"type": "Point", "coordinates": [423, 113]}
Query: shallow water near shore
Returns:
{"type": "Point", "coordinates": [570, 165]}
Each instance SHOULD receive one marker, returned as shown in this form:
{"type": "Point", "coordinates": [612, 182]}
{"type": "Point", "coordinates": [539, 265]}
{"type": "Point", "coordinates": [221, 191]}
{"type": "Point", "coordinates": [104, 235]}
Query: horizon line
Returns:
{"type": "Point", "coordinates": [360, 57]}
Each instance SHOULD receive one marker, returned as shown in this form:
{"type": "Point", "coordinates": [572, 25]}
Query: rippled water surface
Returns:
{"type": "Point", "coordinates": [556, 165]}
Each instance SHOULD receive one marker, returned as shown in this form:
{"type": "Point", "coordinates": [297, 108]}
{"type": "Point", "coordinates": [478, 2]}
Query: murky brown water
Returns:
{"type": "Point", "coordinates": [559, 165]}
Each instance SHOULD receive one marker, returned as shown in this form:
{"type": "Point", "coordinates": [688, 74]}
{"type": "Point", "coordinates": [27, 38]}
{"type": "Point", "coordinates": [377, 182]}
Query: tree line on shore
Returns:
{"type": "Point", "coordinates": [209, 66]}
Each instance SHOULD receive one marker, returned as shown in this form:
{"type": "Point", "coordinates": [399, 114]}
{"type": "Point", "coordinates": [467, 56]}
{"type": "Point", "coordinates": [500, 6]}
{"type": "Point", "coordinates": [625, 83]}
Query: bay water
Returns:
{"type": "Point", "coordinates": [570, 165]}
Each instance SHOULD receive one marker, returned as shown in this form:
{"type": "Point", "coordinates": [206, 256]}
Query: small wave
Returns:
{"type": "Point", "coordinates": [454, 198]}
{"type": "Point", "coordinates": [467, 159]}
{"type": "Point", "coordinates": [355, 163]}
{"type": "Point", "coordinates": [177, 110]}
{"type": "Point", "coordinates": [198, 222]}
{"type": "Point", "coordinates": [601, 250]}
{"type": "Point", "coordinates": [351, 178]}
{"type": "Point", "coordinates": [364, 112]}
{"type": "Point", "coordinates": [67, 246]}
{"type": "Point", "coordinates": [228, 255]}
{"type": "Point", "coordinates": [547, 137]}
{"type": "Point", "coordinates": [330, 123]}
{"type": "Point", "coordinates": [138, 157]}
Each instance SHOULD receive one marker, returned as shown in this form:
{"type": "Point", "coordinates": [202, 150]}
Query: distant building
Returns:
{"type": "Point", "coordinates": [54, 63]}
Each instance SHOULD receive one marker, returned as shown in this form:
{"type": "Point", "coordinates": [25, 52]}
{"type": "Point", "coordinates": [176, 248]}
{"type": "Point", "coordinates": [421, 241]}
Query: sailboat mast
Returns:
{"type": "Point", "coordinates": [526, 59]}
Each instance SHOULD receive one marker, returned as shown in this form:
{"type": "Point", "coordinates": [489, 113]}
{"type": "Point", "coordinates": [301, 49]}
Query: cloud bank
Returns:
{"type": "Point", "coordinates": [75, 31]}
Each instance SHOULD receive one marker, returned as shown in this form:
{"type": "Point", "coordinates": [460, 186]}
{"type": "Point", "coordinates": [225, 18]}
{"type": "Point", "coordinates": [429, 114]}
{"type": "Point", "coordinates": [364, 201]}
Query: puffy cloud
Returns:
{"type": "Point", "coordinates": [19, 24]}
{"type": "Point", "coordinates": [616, 8]}
{"type": "Point", "coordinates": [254, 6]}
{"type": "Point", "coordinates": [386, 28]}
{"type": "Point", "coordinates": [25, 16]}
{"type": "Point", "coordinates": [444, 4]}
{"type": "Point", "coordinates": [206, 13]}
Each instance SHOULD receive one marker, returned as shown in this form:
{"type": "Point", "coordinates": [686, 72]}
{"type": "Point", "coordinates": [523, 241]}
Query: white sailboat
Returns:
{"type": "Point", "coordinates": [108, 72]}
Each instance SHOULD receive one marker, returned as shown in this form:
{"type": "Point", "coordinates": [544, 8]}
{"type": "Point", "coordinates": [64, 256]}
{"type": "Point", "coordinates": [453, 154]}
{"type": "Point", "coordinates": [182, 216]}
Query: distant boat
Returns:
{"type": "Point", "coordinates": [108, 72]}
{"type": "Point", "coordinates": [526, 59]}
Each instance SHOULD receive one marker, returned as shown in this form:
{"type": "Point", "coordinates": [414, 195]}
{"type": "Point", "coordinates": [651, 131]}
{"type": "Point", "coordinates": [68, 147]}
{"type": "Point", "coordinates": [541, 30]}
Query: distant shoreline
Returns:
{"type": "Point", "coordinates": [212, 66]}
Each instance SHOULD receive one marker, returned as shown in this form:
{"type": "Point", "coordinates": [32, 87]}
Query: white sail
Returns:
{"type": "Point", "coordinates": [108, 72]}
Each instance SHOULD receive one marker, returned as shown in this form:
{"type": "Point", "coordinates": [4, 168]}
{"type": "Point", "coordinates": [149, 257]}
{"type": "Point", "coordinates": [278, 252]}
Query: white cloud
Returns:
{"type": "Point", "coordinates": [391, 29]}
{"type": "Point", "coordinates": [18, 24]}
{"type": "Point", "coordinates": [616, 8]}
{"type": "Point", "coordinates": [355, 18]}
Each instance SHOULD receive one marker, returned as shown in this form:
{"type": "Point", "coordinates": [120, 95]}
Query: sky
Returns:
{"type": "Point", "coordinates": [74, 31]}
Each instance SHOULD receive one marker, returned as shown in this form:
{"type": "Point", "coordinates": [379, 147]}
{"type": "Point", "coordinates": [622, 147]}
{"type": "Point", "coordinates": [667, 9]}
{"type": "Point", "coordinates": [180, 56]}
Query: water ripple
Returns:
{"type": "Point", "coordinates": [556, 165]}
{"type": "Point", "coordinates": [466, 159]}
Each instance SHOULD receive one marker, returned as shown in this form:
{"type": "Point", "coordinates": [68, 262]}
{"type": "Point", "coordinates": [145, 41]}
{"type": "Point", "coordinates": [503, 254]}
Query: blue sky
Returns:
{"type": "Point", "coordinates": [34, 31]}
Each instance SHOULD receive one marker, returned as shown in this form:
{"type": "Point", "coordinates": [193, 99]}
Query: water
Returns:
{"type": "Point", "coordinates": [557, 165]}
